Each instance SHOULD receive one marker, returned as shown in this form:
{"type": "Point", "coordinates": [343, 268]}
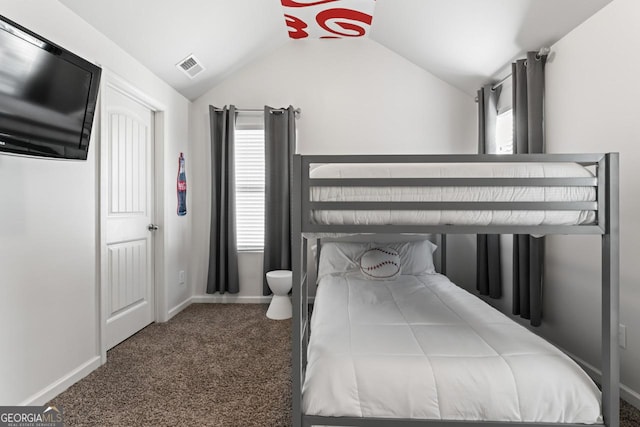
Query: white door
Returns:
{"type": "Point", "coordinates": [128, 211]}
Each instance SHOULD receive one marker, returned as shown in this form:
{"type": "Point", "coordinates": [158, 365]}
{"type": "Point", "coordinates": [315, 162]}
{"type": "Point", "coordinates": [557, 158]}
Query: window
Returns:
{"type": "Point", "coordinates": [504, 133]}
{"type": "Point", "coordinates": [250, 171]}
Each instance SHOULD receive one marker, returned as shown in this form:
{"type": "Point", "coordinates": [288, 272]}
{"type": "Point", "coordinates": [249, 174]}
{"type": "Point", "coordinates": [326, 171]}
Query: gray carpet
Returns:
{"type": "Point", "coordinates": [221, 365]}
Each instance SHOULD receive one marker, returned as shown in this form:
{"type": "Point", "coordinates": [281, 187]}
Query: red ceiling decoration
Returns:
{"type": "Point", "coordinates": [327, 19]}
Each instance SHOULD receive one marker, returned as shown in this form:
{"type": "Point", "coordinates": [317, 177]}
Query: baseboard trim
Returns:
{"type": "Point", "coordinates": [631, 396]}
{"type": "Point", "coordinates": [221, 299]}
{"type": "Point", "coordinates": [57, 387]}
{"type": "Point", "coordinates": [178, 308]}
{"type": "Point", "coordinates": [628, 394]}
{"type": "Point", "coordinates": [230, 299]}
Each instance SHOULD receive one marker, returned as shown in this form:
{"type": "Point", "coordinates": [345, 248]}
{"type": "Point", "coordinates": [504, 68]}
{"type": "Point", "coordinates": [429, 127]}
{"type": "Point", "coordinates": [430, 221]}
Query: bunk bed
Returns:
{"type": "Point", "coordinates": [448, 194]}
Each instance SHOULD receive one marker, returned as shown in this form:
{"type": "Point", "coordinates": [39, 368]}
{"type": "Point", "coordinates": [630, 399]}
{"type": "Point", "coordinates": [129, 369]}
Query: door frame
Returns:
{"type": "Point", "coordinates": [113, 81]}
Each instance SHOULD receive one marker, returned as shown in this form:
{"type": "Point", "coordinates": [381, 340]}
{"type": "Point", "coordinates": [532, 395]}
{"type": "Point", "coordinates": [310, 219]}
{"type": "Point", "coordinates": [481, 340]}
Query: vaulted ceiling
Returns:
{"type": "Point", "coordinates": [464, 42]}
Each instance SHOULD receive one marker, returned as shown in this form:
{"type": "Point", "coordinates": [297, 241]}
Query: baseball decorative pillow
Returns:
{"type": "Point", "coordinates": [380, 264]}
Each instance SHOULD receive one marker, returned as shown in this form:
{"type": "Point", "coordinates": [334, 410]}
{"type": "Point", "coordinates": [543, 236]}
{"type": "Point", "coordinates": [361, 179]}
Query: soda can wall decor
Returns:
{"type": "Point", "coordinates": [182, 187]}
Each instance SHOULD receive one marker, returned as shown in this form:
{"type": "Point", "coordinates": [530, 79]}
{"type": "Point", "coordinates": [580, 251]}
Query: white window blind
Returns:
{"type": "Point", "coordinates": [250, 171]}
{"type": "Point", "coordinates": [504, 133]}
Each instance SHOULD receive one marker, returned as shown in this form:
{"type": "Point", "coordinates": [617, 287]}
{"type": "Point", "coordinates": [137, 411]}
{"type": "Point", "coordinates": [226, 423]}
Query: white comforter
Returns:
{"type": "Point", "coordinates": [420, 347]}
{"type": "Point", "coordinates": [454, 194]}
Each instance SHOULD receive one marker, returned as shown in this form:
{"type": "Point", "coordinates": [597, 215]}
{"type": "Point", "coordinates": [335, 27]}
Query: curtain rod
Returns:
{"type": "Point", "coordinates": [543, 51]}
{"type": "Point", "coordinates": [501, 82]}
{"type": "Point", "coordinates": [296, 111]}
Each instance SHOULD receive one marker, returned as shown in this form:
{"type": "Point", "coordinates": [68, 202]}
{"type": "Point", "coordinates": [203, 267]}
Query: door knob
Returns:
{"type": "Point", "coordinates": [152, 227]}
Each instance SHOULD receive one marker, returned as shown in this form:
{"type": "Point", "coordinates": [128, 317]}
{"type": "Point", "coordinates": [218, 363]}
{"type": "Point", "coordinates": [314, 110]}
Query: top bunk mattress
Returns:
{"type": "Point", "coordinates": [452, 194]}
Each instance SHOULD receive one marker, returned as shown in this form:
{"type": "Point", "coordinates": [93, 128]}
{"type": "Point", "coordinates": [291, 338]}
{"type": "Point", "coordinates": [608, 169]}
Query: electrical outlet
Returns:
{"type": "Point", "coordinates": [181, 277]}
{"type": "Point", "coordinates": [622, 335]}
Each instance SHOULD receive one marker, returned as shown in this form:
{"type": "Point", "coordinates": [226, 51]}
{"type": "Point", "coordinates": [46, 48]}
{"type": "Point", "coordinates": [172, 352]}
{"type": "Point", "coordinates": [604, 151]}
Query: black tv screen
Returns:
{"type": "Point", "coordinates": [48, 96]}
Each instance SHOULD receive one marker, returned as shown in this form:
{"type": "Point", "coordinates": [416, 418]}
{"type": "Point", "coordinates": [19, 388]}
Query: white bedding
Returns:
{"type": "Point", "coordinates": [420, 347]}
{"type": "Point", "coordinates": [455, 194]}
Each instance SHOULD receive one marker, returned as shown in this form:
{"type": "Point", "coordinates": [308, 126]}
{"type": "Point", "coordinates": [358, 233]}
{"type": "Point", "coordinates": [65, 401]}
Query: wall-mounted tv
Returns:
{"type": "Point", "coordinates": [48, 96]}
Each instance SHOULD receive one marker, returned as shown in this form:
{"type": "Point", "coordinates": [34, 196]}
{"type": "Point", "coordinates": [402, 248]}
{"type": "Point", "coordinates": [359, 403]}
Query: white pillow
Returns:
{"type": "Point", "coordinates": [416, 257]}
{"type": "Point", "coordinates": [380, 264]}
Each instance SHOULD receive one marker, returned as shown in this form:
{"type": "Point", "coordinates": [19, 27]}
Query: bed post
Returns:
{"type": "Point", "coordinates": [443, 254]}
{"type": "Point", "coordinates": [296, 266]}
{"type": "Point", "coordinates": [611, 295]}
{"type": "Point", "coordinates": [318, 248]}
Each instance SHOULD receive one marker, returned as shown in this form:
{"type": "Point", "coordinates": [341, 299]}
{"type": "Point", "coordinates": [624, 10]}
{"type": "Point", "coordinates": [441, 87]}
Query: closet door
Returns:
{"type": "Point", "coordinates": [128, 217]}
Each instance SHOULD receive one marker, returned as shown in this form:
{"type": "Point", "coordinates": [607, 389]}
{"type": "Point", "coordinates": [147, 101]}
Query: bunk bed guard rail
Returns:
{"type": "Point", "coordinates": [308, 206]}
{"type": "Point", "coordinates": [606, 185]}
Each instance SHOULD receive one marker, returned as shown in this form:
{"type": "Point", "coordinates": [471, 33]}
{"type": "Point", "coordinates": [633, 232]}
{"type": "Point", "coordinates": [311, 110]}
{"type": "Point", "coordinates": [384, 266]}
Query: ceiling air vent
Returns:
{"type": "Point", "coordinates": [190, 66]}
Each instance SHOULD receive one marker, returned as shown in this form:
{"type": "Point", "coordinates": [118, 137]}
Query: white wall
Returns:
{"type": "Point", "coordinates": [356, 96]}
{"type": "Point", "coordinates": [593, 105]}
{"type": "Point", "coordinates": [49, 228]}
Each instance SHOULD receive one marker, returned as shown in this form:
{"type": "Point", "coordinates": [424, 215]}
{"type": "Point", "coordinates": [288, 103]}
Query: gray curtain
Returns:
{"type": "Point", "coordinates": [528, 135]}
{"type": "Point", "coordinates": [280, 140]}
{"type": "Point", "coordinates": [223, 248]}
{"type": "Point", "coordinates": [488, 280]}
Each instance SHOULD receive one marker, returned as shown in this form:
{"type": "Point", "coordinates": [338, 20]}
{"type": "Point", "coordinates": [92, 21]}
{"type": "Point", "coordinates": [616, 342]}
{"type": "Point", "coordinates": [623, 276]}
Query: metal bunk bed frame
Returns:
{"type": "Point", "coordinates": [606, 207]}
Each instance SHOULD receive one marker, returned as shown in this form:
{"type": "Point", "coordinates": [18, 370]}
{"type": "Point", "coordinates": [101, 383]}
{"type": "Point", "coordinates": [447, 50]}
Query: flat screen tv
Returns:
{"type": "Point", "coordinates": [48, 96]}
